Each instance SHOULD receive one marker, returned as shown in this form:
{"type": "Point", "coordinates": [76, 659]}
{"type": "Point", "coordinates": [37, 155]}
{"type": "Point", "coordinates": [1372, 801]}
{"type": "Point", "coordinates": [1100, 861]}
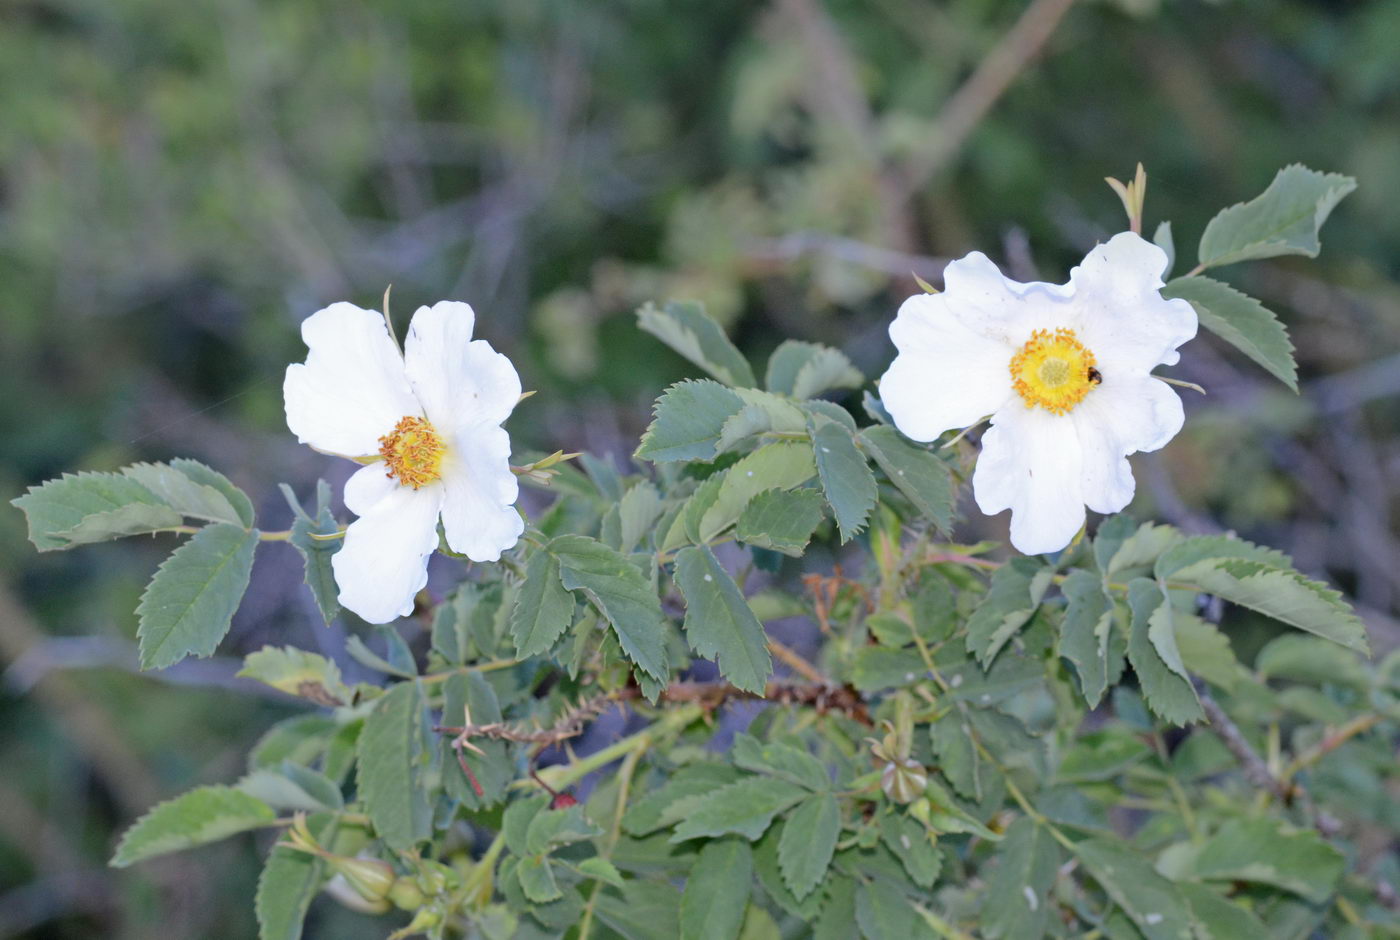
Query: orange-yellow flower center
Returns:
{"type": "Point", "coordinates": [412, 452]}
{"type": "Point", "coordinates": [1053, 370]}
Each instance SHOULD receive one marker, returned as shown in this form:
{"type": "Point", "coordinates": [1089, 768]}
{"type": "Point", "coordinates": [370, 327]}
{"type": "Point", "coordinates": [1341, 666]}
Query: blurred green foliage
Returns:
{"type": "Point", "coordinates": [181, 183]}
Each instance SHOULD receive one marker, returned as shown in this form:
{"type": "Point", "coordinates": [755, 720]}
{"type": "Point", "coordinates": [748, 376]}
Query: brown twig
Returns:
{"type": "Point", "coordinates": [1229, 733]}
{"type": "Point", "coordinates": [984, 87]}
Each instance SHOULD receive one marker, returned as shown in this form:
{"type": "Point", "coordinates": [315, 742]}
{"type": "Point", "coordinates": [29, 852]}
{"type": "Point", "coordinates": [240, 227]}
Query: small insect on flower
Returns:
{"type": "Point", "coordinates": [1064, 371]}
{"type": "Point", "coordinates": [427, 421]}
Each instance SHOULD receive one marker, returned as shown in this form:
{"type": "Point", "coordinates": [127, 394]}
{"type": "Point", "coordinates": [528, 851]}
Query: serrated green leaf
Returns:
{"type": "Point", "coordinates": [1206, 652]}
{"type": "Point", "coordinates": [1165, 686]}
{"type": "Point", "coordinates": [717, 891]}
{"type": "Point", "coordinates": [845, 476]}
{"type": "Point", "coordinates": [718, 622]}
{"type": "Point", "coordinates": [600, 869]}
{"type": "Point", "coordinates": [669, 803]}
{"type": "Point", "coordinates": [293, 787]}
{"type": "Point", "coordinates": [781, 521]}
{"type": "Point", "coordinates": [746, 807]}
{"type": "Point", "coordinates": [879, 667]}
{"type": "Point", "coordinates": [958, 760]}
{"type": "Point", "coordinates": [686, 328]}
{"type": "Point", "coordinates": [762, 412]}
{"type": "Point", "coordinates": [791, 763]}
{"type": "Point", "coordinates": [909, 842]}
{"type": "Point", "coordinates": [1219, 918]}
{"type": "Point", "coordinates": [201, 816]}
{"type": "Point", "coordinates": [316, 553]}
{"type": "Point", "coordinates": [186, 496]}
{"type": "Point", "coordinates": [643, 910]}
{"type": "Point", "coordinates": [1241, 321]}
{"type": "Point", "coordinates": [543, 609]}
{"type": "Point", "coordinates": [1084, 636]}
{"type": "Point", "coordinates": [206, 476]}
{"type": "Point", "coordinates": [1207, 547]}
{"type": "Point", "coordinates": [1141, 548]}
{"type": "Point", "coordinates": [1100, 755]}
{"type": "Point", "coordinates": [621, 593]}
{"type": "Point", "coordinates": [1282, 594]}
{"type": "Point", "coordinates": [1283, 220]}
{"type": "Point", "coordinates": [189, 604]}
{"type": "Point", "coordinates": [1010, 603]}
{"type": "Point", "coordinates": [1268, 851]}
{"type": "Point", "coordinates": [515, 823]}
{"type": "Point", "coordinates": [1153, 903]}
{"type": "Point", "coordinates": [917, 473]}
{"type": "Point", "coordinates": [286, 886]}
{"type": "Point", "coordinates": [808, 842]}
{"type": "Point", "coordinates": [537, 879]}
{"type": "Point", "coordinates": [56, 510]}
{"type": "Point", "coordinates": [689, 417]}
{"type": "Point", "coordinates": [390, 751]}
{"type": "Point", "coordinates": [839, 913]}
{"type": "Point", "coordinates": [782, 465]}
{"type": "Point", "coordinates": [805, 370]}
{"type": "Point", "coordinates": [770, 876]}
{"type": "Point", "coordinates": [1310, 659]}
{"type": "Point", "coordinates": [637, 513]}
{"type": "Point", "coordinates": [550, 828]}
{"type": "Point", "coordinates": [884, 913]}
{"type": "Point", "coordinates": [1018, 903]}
{"type": "Point", "coordinates": [297, 672]}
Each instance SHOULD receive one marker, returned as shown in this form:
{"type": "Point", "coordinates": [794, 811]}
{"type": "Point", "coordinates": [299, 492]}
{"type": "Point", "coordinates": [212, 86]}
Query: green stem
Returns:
{"type": "Point", "coordinates": [624, 786]}
{"type": "Point", "coordinates": [561, 777]}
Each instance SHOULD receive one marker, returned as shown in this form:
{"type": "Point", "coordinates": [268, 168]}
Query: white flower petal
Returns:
{"type": "Point", "coordinates": [1122, 416]}
{"type": "Point", "coordinates": [991, 304]}
{"type": "Point", "coordinates": [1031, 463]}
{"type": "Point", "coordinates": [479, 514]}
{"type": "Point", "coordinates": [384, 560]}
{"type": "Point", "coordinates": [352, 389]}
{"type": "Point", "coordinates": [946, 374]}
{"type": "Point", "coordinates": [1119, 312]}
{"type": "Point", "coordinates": [461, 382]}
{"type": "Point", "coordinates": [367, 486]}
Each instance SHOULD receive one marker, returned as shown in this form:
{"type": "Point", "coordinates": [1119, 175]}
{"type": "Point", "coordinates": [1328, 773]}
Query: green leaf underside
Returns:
{"type": "Point", "coordinates": [1283, 220]}
{"type": "Point", "coordinates": [782, 521]}
{"type": "Point", "coordinates": [686, 328]}
{"type": "Point", "coordinates": [297, 672]}
{"type": "Point", "coordinates": [805, 370]}
{"type": "Point", "coordinates": [1153, 903]}
{"type": "Point", "coordinates": [780, 760]}
{"type": "Point", "coordinates": [845, 477]}
{"type": "Point", "coordinates": [1018, 902]}
{"type": "Point", "coordinates": [808, 841]}
{"type": "Point", "coordinates": [543, 607]}
{"type": "Point", "coordinates": [1165, 686]}
{"type": "Point", "coordinates": [186, 496]}
{"type": "Point", "coordinates": [717, 890]}
{"type": "Point", "coordinates": [621, 593]}
{"type": "Point", "coordinates": [189, 604]}
{"type": "Point", "coordinates": [689, 417]}
{"type": "Point", "coordinates": [1281, 594]}
{"type": "Point", "coordinates": [746, 807]}
{"type": "Point", "coordinates": [388, 755]}
{"type": "Point", "coordinates": [917, 473]}
{"type": "Point", "coordinates": [198, 817]}
{"type": "Point", "coordinates": [719, 624]}
{"type": "Point", "coordinates": [782, 465]}
{"type": "Point", "coordinates": [1268, 852]}
{"type": "Point", "coordinates": [1241, 321]}
{"type": "Point", "coordinates": [316, 554]}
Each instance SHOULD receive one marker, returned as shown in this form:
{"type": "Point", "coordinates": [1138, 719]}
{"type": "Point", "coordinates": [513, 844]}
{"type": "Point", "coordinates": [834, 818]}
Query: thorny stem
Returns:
{"type": "Point", "coordinates": [1255, 770]}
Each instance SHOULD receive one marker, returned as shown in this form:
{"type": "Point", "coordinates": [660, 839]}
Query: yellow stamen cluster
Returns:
{"type": "Point", "coordinates": [412, 452]}
{"type": "Point", "coordinates": [1053, 370]}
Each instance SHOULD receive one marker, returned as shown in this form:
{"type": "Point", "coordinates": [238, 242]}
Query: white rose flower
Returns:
{"type": "Point", "coordinates": [429, 418]}
{"type": "Point", "coordinates": [1064, 371]}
